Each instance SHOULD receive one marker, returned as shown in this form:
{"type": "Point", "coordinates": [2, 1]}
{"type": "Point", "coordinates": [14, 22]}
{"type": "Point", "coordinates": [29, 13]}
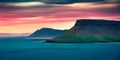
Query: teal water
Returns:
{"type": "Point", "coordinates": [24, 49]}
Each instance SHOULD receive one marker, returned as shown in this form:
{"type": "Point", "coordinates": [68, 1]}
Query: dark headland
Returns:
{"type": "Point", "coordinates": [91, 30]}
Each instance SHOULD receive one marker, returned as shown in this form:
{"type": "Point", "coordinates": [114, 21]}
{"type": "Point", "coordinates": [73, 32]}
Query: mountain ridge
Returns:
{"type": "Point", "coordinates": [91, 30]}
{"type": "Point", "coordinates": [47, 32]}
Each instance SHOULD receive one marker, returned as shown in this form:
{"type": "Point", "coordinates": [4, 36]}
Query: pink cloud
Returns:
{"type": "Point", "coordinates": [64, 13]}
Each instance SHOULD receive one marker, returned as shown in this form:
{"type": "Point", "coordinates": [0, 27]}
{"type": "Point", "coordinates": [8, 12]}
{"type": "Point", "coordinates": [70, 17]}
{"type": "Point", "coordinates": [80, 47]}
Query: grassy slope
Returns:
{"type": "Point", "coordinates": [90, 34]}
{"type": "Point", "coordinates": [88, 39]}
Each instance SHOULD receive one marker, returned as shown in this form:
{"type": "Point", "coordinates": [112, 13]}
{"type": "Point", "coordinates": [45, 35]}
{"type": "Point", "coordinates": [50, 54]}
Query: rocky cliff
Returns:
{"type": "Point", "coordinates": [91, 30]}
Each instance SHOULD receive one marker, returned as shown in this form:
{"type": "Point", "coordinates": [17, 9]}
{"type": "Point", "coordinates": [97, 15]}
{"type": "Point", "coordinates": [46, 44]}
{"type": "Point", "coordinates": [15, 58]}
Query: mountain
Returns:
{"type": "Point", "coordinates": [47, 32]}
{"type": "Point", "coordinates": [91, 30]}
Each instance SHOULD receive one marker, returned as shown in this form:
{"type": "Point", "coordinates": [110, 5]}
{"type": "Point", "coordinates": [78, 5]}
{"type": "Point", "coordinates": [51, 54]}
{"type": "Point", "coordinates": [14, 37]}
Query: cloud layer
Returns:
{"type": "Point", "coordinates": [61, 14]}
{"type": "Point", "coordinates": [62, 1]}
{"type": "Point", "coordinates": [53, 1]}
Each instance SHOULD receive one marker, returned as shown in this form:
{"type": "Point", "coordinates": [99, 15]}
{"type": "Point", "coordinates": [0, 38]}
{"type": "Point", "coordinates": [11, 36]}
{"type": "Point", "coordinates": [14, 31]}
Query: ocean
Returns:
{"type": "Point", "coordinates": [26, 49]}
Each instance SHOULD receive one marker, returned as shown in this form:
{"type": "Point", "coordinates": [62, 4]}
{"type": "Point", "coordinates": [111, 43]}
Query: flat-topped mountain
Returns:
{"type": "Point", "coordinates": [91, 30]}
{"type": "Point", "coordinates": [46, 33]}
{"type": "Point", "coordinates": [96, 22]}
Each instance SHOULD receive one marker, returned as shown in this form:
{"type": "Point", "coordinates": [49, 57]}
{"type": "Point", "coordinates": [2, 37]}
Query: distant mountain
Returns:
{"type": "Point", "coordinates": [47, 32]}
{"type": "Point", "coordinates": [91, 30]}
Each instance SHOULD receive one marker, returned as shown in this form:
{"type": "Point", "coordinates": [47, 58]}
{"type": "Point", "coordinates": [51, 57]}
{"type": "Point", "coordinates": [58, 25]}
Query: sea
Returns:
{"type": "Point", "coordinates": [28, 49]}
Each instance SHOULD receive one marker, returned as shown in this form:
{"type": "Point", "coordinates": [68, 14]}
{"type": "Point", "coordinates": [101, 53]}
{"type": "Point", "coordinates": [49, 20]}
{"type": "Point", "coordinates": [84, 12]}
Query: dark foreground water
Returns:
{"type": "Point", "coordinates": [24, 49]}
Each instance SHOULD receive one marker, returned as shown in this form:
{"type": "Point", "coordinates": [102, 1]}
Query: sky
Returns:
{"type": "Point", "coordinates": [22, 17]}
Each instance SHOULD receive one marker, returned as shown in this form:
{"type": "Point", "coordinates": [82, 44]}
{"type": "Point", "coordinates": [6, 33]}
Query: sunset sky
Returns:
{"type": "Point", "coordinates": [21, 17]}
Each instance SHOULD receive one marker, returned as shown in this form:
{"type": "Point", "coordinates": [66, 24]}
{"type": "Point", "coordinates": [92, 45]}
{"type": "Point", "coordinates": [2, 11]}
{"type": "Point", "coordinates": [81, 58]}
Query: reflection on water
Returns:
{"type": "Point", "coordinates": [25, 49]}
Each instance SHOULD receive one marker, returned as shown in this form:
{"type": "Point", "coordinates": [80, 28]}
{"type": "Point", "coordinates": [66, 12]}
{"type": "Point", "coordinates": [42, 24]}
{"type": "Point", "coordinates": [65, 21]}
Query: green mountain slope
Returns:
{"type": "Point", "coordinates": [87, 30]}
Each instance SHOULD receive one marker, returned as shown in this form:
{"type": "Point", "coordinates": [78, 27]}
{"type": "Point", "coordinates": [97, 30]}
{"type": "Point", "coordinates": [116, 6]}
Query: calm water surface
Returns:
{"type": "Point", "coordinates": [25, 49]}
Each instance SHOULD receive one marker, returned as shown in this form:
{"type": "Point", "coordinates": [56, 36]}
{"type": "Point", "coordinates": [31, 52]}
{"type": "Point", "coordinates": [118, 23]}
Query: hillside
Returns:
{"type": "Point", "coordinates": [91, 30]}
{"type": "Point", "coordinates": [47, 32]}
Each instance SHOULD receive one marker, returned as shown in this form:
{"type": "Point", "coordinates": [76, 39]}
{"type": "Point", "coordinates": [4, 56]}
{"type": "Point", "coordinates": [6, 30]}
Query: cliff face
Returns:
{"type": "Point", "coordinates": [47, 32]}
{"type": "Point", "coordinates": [89, 30]}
